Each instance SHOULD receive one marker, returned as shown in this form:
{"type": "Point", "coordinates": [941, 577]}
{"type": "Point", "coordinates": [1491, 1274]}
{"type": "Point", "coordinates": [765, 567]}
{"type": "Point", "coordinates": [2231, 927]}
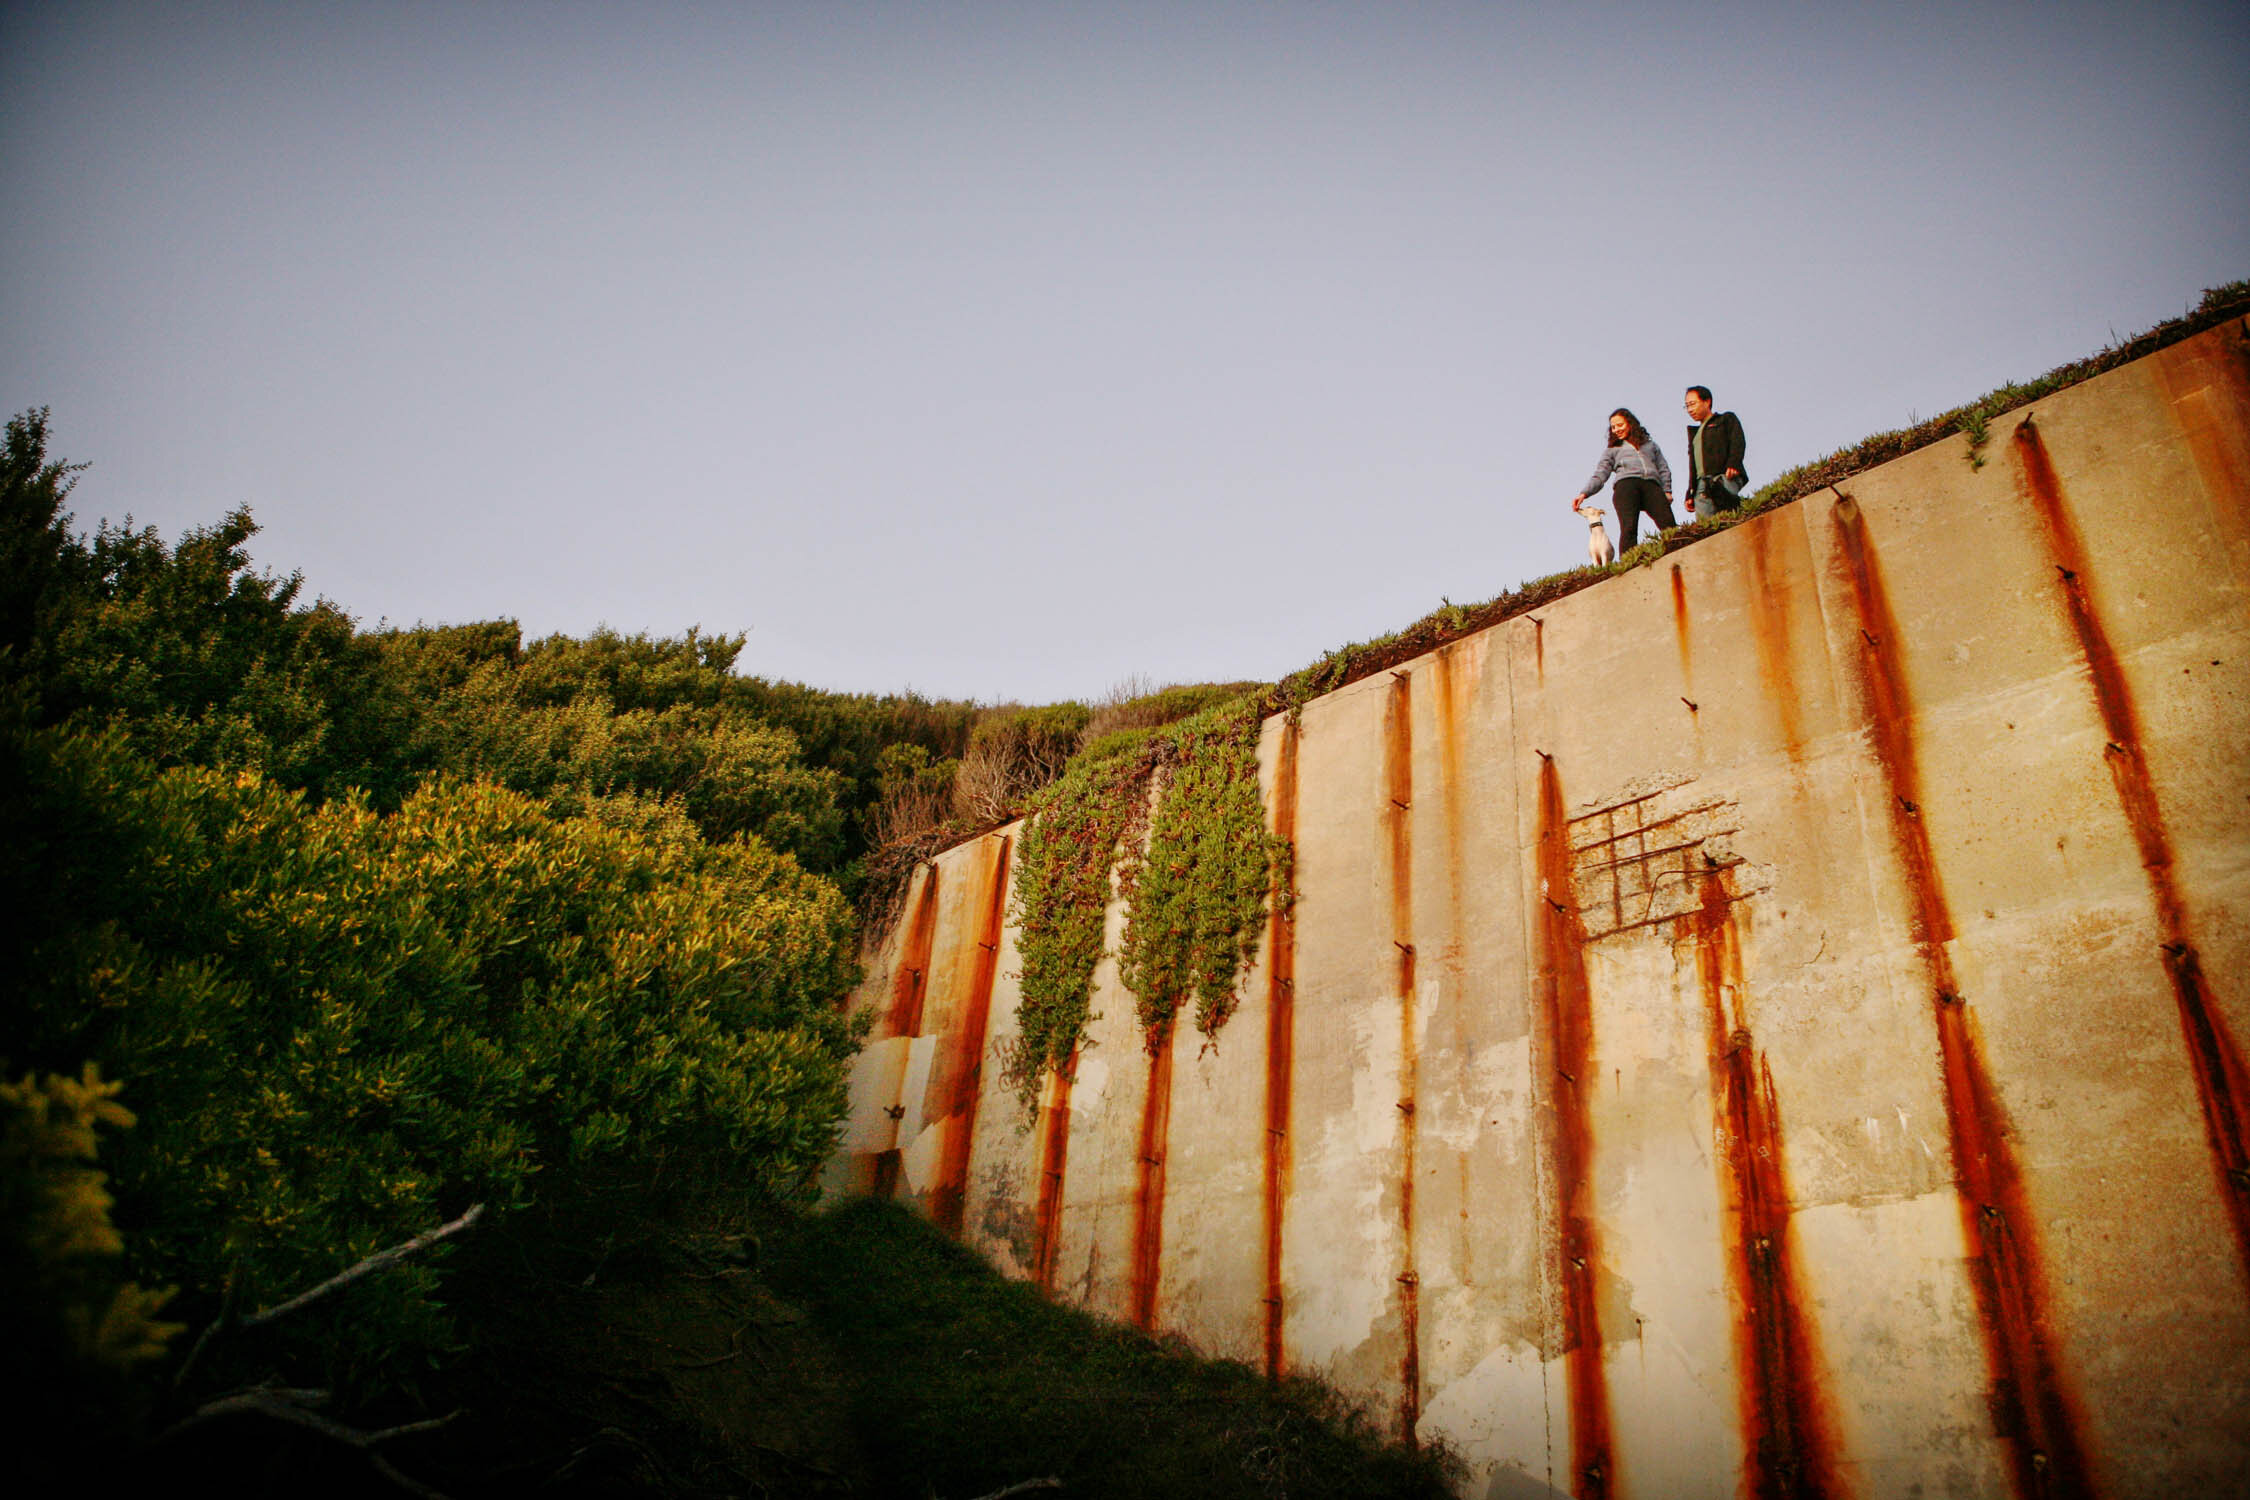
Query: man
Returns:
{"type": "Point", "coordinates": [1715, 479]}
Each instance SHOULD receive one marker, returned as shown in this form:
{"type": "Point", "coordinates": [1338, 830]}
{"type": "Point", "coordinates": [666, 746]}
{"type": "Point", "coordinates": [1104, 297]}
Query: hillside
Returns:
{"type": "Point", "coordinates": [322, 937]}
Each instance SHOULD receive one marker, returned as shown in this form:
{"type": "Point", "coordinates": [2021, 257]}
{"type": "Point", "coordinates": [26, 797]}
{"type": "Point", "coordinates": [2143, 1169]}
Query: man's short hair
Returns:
{"type": "Point", "coordinates": [1700, 392]}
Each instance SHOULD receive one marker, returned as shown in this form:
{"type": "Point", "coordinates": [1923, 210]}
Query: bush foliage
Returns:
{"type": "Point", "coordinates": [376, 925]}
{"type": "Point", "coordinates": [343, 1026]}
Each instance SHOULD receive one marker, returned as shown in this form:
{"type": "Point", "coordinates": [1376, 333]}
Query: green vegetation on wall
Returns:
{"type": "Point", "coordinates": [1195, 888]}
{"type": "Point", "coordinates": [1082, 828]}
{"type": "Point", "coordinates": [1200, 899]}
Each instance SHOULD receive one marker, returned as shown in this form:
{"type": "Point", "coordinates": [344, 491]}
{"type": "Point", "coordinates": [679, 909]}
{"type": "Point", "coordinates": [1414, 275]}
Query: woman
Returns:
{"type": "Point", "coordinates": [1644, 479]}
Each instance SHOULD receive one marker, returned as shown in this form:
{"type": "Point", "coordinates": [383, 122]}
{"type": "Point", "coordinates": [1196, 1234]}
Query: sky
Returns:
{"type": "Point", "coordinates": [1013, 351]}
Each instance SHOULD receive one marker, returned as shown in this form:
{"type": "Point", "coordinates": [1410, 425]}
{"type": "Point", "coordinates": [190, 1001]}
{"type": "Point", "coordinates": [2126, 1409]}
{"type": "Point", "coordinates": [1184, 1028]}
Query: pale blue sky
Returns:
{"type": "Point", "coordinates": [1009, 350]}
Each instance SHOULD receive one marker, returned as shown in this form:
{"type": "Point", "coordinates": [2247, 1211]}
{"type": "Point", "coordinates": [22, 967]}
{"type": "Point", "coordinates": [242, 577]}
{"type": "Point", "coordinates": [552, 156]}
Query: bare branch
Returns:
{"type": "Point", "coordinates": [282, 1406]}
{"type": "Point", "coordinates": [295, 1396]}
{"type": "Point", "coordinates": [225, 1320]}
{"type": "Point", "coordinates": [408, 1429]}
{"type": "Point", "coordinates": [734, 1351]}
{"type": "Point", "coordinates": [1025, 1487]}
{"type": "Point", "coordinates": [380, 1260]}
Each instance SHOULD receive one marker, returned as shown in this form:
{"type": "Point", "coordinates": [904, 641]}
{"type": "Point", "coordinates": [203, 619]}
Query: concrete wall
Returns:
{"type": "Point", "coordinates": [1770, 1023]}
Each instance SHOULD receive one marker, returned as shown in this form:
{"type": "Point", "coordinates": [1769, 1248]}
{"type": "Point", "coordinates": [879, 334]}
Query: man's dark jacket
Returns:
{"type": "Point", "coordinates": [1726, 449]}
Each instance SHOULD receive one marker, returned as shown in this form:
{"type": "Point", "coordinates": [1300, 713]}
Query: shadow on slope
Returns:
{"type": "Point", "coordinates": [965, 1382]}
{"type": "Point", "coordinates": [853, 1354]}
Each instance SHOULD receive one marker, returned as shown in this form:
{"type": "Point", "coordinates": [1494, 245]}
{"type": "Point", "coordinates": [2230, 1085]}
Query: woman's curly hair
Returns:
{"type": "Point", "coordinates": [1635, 433]}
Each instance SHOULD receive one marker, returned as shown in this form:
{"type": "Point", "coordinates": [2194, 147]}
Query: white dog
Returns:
{"type": "Point", "coordinates": [1597, 540]}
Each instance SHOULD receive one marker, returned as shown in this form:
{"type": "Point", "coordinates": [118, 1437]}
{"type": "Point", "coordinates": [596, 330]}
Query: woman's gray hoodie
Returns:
{"type": "Point", "coordinates": [1624, 461]}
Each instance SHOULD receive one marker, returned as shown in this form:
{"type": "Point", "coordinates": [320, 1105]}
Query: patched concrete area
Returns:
{"type": "Point", "coordinates": [1770, 1023]}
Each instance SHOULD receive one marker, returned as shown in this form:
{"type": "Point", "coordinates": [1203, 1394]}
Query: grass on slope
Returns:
{"type": "Point", "coordinates": [858, 1355]}
{"type": "Point", "coordinates": [966, 1382]}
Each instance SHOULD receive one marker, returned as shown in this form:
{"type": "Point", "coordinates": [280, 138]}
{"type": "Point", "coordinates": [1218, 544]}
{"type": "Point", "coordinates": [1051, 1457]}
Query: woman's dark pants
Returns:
{"type": "Point", "coordinates": [1634, 496]}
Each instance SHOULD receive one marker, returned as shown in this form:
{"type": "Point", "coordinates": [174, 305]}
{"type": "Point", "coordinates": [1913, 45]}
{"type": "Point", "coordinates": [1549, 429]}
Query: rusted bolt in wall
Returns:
{"type": "Point", "coordinates": [1054, 1160]}
{"type": "Point", "coordinates": [2032, 1405]}
{"type": "Point", "coordinates": [1780, 1386]}
{"type": "Point", "coordinates": [1769, 631]}
{"type": "Point", "coordinates": [2220, 1082]}
{"type": "Point", "coordinates": [963, 1088]}
{"type": "Point", "coordinates": [1281, 1042]}
{"type": "Point", "coordinates": [1398, 777]}
{"type": "Point", "coordinates": [1564, 1078]}
{"type": "Point", "coordinates": [1148, 1188]}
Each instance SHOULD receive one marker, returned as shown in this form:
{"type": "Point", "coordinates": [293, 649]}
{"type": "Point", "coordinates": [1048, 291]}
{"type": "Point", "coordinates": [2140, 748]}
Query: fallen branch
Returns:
{"type": "Point", "coordinates": [225, 1319]}
{"type": "Point", "coordinates": [380, 1260]}
{"type": "Point", "coordinates": [1025, 1487]}
{"type": "Point", "coordinates": [734, 1351]}
{"type": "Point", "coordinates": [293, 1408]}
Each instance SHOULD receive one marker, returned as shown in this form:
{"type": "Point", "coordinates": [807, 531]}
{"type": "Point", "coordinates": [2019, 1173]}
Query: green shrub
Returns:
{"type": "Point", "coordinates": [74, 1330]}
{"type": "Point", "coordinates": [344, 1027]}
{"type": "Point", "coordinates": [848, 733]}
{"type": "Point", "coordinates": [199, 660]}
{"type": "Point", "coordinates": [485, 715]}
{"type": "Point", "coordinates": [1133, 706]}
{"type": "Point", "coordinates": [1012, 753]}
{"type": "Point", "coordinates": [65, 1301]}
{"type": "Point", "coordinates": [1115, 743]}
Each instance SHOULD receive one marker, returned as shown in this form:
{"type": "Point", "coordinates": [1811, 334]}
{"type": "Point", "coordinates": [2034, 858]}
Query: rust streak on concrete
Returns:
{"type": "Point", "coordinates": [1397, 815]}
{"type": "Point", "coordinates": [1450, 708]}
{"type": "Point", "coordinates": [1454, 1030]}
{"type": "Point", "coordinates": [2032, 1405]}
{"type": "Point", "coordinates": [1281, 1039]}
{"type": "Point", "coordinates": [2207, 382]}
{"type": "Point", "coordinates": [1770, 634]}
{"type": "Point", "coordinates": [1054, 1160]}
{"type": "Point", "coordinates": [1446, 706]}
{"type": "Point", "coordinates": [1680, 622]}
{"type": "Point", "coordinates": [2220, 1082]}
{"type": "Point", "coordinates": [1566, 1014]}
{"type": "Point", "coordinates": [1148, 1188]}
{"type": "Point", "coordinates": [1780, 1388]}
{"type": "Point", "coordinates": [911, 980]}
{"type": "Point", "coordinates": [963, 1091]}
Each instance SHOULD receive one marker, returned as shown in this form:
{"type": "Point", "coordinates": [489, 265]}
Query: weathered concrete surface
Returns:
{"type": "Point", "coordinates": [1771, 1023]}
